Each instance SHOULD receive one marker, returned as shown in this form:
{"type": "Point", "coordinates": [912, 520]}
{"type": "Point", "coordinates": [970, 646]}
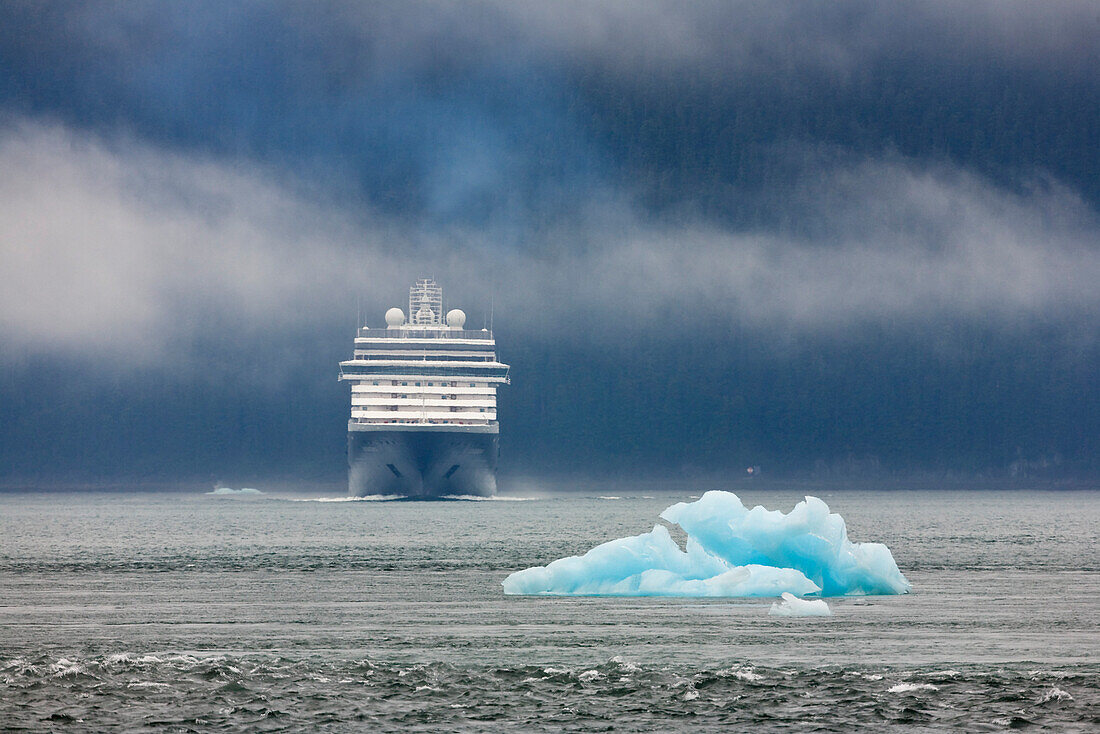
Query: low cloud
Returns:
{"type": "Point", "coordinates": [114, 249]}
{"type": "Point", "coordinates": [888, 241]}
{"type": "Point", "coordinates": [108, 248]}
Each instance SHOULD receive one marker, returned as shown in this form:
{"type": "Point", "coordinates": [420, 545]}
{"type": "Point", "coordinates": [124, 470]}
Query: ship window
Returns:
{"type": "Point", "coordinates": [454, 408]}
{"type": "Point", "coordinates": [418, 384]}
{"type": "Point", "coordinates": [429, 384]}
{"type": "Point", "coordinates": [482, 410]}
{"type": "Point", "coordinates": [472, 384]}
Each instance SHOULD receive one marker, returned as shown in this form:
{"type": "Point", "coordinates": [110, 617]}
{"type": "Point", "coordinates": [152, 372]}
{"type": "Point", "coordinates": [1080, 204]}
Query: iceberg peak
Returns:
{"type": "Point", "coordinates": [809, 538]}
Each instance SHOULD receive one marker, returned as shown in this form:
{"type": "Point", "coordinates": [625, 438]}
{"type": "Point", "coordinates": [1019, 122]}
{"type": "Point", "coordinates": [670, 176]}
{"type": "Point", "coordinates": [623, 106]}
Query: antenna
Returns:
{"type": "Point", "coordinates": [492, 293]}
{"type": "Point", "coordinates": [358, 314]}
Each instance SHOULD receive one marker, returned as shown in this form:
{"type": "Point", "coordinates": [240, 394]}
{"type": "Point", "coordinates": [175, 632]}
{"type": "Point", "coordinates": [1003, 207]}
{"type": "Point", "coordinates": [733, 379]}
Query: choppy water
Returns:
{"type": "Point", "coordinates": [191, 612]}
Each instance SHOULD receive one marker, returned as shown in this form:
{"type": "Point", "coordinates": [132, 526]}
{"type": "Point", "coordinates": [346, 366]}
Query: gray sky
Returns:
{"type": "Point", "coordinates": [828, 236]}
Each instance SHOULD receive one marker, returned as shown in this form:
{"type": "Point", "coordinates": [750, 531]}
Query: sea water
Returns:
{"type": "Point", "coordinates": [188, 611]}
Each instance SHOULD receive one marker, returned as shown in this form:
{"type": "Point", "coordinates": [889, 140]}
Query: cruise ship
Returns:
{"type": "Point", "coordinates": [423, 403]}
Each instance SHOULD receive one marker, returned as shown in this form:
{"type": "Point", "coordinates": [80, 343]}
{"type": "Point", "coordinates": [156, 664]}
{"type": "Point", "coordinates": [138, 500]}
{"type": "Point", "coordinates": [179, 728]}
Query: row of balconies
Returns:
{"type": "Point", "coordinates": [388, 389]}
{"type": "Point", "coordinates": [434, 422]}
{"type": "Point", "coordinates": [424, 383]}
{"type": "Point", "coordinates": [418, 398]}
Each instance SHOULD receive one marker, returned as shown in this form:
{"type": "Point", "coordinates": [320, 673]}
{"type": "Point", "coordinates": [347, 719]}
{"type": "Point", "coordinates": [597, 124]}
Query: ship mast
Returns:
{"type": "Point", "coordinates": [426, 303]}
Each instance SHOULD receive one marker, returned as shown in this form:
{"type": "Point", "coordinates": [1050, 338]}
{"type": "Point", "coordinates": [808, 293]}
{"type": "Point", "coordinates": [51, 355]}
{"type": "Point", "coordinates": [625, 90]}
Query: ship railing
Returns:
{"type": "Point", "coordinates": [402, 333]}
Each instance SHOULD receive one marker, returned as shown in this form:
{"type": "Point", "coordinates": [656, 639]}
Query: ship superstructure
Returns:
{"type": "Point", "coordinates": [423, 403]}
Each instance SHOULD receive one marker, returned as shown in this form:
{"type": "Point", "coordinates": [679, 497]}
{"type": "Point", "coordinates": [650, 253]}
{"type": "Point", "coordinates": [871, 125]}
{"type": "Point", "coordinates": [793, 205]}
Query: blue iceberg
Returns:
{"type": "Point", "coordinates": [731, 551]}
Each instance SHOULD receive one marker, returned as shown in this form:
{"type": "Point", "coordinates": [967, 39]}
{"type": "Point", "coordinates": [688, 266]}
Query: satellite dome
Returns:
{"type": "Point", "coordinates": [395, 317]}
{"type": "Point", "coordinates": [456, 318]}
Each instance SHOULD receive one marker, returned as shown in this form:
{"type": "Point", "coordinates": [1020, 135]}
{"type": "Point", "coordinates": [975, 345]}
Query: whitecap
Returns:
{"type": "Point", "coordinates": [1056, 694]}
{"type": "Point", "coordinates": [946, 674]}
{"type": "Point", "coordinates": [1056, 674]}
{"type": "Point", "coordinates": [65, 667]}
{"type": "Point", "coordinates": [741, 672]}
{"type": "Point", "coordinates": [148, 684]}
{"type": "Point", "coordinates": [911, 687]}
{"type": "Point", "coordinates": [625, 665]}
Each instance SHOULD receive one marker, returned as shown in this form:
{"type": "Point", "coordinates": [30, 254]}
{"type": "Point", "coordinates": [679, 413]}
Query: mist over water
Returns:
{"type": "Point", "coordinates": [123, 611]}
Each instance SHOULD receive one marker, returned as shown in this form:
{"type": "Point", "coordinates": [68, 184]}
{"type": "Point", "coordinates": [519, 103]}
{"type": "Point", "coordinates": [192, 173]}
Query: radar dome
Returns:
{"type": "Point", "coordinates": [395, 317]}
{"type": "Point", "coordinates": [456, 318]}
